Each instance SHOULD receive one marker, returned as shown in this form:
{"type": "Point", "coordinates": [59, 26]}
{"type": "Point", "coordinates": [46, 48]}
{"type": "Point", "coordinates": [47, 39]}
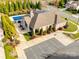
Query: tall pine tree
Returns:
{"type": "Point", "coordinates": [8, 27]}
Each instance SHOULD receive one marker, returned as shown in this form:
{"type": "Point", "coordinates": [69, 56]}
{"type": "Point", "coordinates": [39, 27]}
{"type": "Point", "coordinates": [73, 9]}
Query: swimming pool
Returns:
{"type": "Point", "coordinates": [17, 18]}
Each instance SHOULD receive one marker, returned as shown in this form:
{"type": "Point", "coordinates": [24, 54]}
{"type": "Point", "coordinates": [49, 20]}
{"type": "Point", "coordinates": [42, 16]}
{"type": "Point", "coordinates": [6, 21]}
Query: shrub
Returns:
{"type": "Point", "coordinates": [41, 31]}
{"type": "Point", "coordinates": [48, 31]}
{"type": "Point", "coordinates": [37, 31]}
{"type": "Point", "coordinates": [17, 42]}
{"type": "Point", "coordinates": [4, 40]}
{"type": "Point", "coordinates": [72, 10]}
{"type": "Point", "coordinates": [45, 32]}
{"type": "Point", "coordinates": [51, 3]}
{"type": "Point", "coordinates": [32, 37]}
{"type": "Point", "coordinates": [60, 28]}
{"type": "Point", "coordinates": [65, 26]}
{"type": "Point", "coordinates": [32, 33]}
{"type": "Point", "coordinates": [50, 28]}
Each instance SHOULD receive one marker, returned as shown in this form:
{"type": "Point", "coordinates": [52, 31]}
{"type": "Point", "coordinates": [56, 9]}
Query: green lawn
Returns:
{"type": "Point", "coordinates": [27, 36]}
{"type": "Point", "coordinates": [8, 49]}
{"type": "Point", "coordinates": [71, 27]}
{"type": "Point", "coordinates": [73, 36]}
{"type": "Point", "coordinates": [67, 12]}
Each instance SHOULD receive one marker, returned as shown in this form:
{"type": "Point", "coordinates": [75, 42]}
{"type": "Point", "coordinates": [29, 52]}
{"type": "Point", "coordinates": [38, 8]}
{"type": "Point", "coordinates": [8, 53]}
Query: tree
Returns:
{"type": "Point", "coordinates": [32, 33]}
{"type": "Point", "coordinates": [20, 5]}
{"type": "Point", "coordinates": [32, 5]}
{"type": "Point", "coordinates": [9, 30]}
{"type": "Point", "coordinates": [11, 7]}
{"type": "Point", "coordinates": [28, 5]}
{"type": "Point", "coordinates": [24, 4]}
{"type": "Point", "coordinates": [9, 21]}
{"type": "Point", "coordinates": [38, 5]}
{"type": "Point", "coordinates": [2, 7]}
{"type": "Point", "coordinates": [36, 31]}
{"type": "Point", "coordinates": [6, 7]}
{"type": "Point", "coordinates": [62, 3]}
{"type": "Point", "coordinates": [6, 10]}
{"type": "Point", "coordinates": [16, 6]}
{"type": "Point", "coordinates": [75, 0]}
{"type": "Point", "coordinates": [50, 28]}
{"type": "Point", "coordinates": [41, 31]}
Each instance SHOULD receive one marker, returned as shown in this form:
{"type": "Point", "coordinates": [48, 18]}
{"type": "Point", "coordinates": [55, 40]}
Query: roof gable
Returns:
{"type": "Point", "coordinates": [43, 19]}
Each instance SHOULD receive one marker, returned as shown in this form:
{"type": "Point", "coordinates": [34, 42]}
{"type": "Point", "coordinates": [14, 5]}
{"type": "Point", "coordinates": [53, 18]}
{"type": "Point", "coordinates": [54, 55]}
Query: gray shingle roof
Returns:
{"type": "Point", "coordinates": [44, 18]}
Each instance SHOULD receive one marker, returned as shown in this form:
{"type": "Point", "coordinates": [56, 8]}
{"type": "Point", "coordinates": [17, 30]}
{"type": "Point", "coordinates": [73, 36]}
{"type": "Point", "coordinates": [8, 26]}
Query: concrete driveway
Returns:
{"type": "Point", "coordinates": [41, 50]}
{"type": "Point", "coordinates": [69, 52]}
{"type": "Point", "coordinates": [54, 49]}
{"type": "Point", "coordinates": [2, 53]}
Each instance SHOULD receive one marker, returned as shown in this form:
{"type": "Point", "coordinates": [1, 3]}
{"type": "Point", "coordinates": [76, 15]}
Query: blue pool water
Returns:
{"type": "Point", "coordinates": [17, 18]}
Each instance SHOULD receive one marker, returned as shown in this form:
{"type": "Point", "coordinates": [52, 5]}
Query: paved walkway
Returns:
{"type": "Point", "coordinates": [65, 40]}
{"type": "Point", "coordinates": [2, 53]}
{"type": "Point", "coordinates": [21, 37]}
{"type": "Point", "coordinates": [19, 49]}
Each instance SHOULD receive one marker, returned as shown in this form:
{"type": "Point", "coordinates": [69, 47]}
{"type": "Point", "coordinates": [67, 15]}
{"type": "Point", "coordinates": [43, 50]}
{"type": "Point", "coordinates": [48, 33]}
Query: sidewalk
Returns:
{"type": "Point", "coordinates": [2, 55]}
{"type": "Point", "coordinates": [19, 49]}
{"type": "Point", "coordinates": [21, 37]}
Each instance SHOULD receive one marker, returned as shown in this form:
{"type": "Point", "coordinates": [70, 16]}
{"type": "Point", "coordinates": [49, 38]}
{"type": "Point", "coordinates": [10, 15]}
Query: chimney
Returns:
{"type": "Point", "coordinates": [31, 13]}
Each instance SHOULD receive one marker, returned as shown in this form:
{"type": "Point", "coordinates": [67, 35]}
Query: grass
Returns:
{"type": "Point", "coordinates": [71, 27]}
{"type": "Point", "coordinates": [73, 36]}
{"type": "Point", "coordinates": [27, 36]}
{"type": "Point", "coordinates": [68, 12]}
{"type": "Point", "coordinates": [8, 49]}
